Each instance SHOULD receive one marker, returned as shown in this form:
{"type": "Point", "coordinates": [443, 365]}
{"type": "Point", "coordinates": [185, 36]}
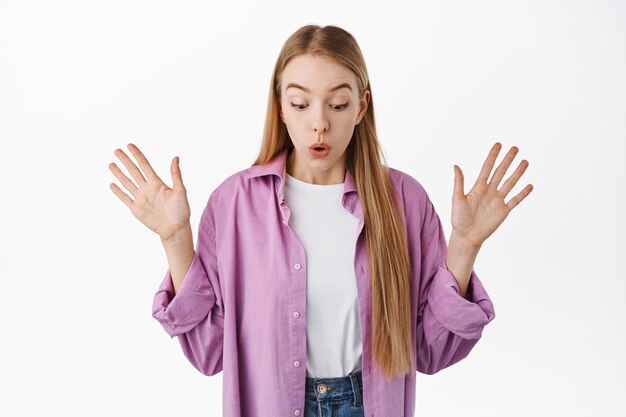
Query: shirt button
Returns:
{"type": "Point", "coordinates": [296, 363]}
{"type": "Point", "coordinates": [296, 412]}
{"type": "Point", "coordinates": [296, 314]}
{"type": "Point", "coordinates": [297, 266]}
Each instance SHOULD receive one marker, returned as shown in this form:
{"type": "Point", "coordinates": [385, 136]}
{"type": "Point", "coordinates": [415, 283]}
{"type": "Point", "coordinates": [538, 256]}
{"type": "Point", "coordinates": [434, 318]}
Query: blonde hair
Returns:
{"type": "Point", "coordinates": [387, 247]}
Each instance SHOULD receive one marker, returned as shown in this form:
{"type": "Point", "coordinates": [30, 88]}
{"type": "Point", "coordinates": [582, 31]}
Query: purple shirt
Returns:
{"type": "Point", "coordinates": [241, 308]}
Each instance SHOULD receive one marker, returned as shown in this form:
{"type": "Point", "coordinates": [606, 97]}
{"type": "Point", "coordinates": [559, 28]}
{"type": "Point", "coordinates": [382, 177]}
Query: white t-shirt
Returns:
{"type": "Point", "coordinates": [328, 233]}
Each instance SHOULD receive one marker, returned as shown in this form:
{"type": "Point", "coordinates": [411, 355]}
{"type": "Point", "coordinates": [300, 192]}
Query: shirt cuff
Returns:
{"type": "Point", "coordinates": [179, 313]}
{"type": "Point", "coordinates": [464, 317]}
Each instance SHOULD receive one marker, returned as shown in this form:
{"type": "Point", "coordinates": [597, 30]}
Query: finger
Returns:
{"type": "Point", "coordinates": [130, 166]}
{"type": "Point", "coordinates": [519, 197]}
{"type": "Point", "coordinates": [143, 162]}
{"type": "Point", "coordinates": [177, 176]}
{"type": "Point", "coordinates": [126, 182]}
{"type": "Point", "coordinates": [121, 195]}
{"type": "Point", "coordinates": [488, 164]}
{"type": "Point", "coordinates": [510, 183]}
{"type": "Point", "coordinates": [458, 182]}
{"type": "Point", "coordinates": [504, 165]}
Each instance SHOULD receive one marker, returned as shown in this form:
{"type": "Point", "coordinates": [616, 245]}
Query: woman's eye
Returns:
{"type": "Point", "coordinates": [337, 107]}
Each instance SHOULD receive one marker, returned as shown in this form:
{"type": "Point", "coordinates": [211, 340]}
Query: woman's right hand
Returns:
{"type": "Point", "coordinates": [162, 209]}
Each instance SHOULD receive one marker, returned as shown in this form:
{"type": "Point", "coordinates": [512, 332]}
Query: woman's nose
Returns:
{"type": "Point", "coordinates": [320, 123]}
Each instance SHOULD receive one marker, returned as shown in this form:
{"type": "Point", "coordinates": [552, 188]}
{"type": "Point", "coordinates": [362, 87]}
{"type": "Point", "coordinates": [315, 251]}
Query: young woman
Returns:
{"type": "Point", "coordinates": [322, 279]}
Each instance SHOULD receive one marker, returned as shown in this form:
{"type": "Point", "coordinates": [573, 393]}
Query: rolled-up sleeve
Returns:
{"type": "Point", "coordinates": [448, 325]}
{"type": "Point", "coordinates": [195, 313]}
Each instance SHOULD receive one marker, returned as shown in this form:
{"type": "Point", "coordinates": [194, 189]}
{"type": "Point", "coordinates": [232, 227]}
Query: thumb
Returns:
{"type": "Point", "coordinates": [458, 182]}
{"type": "Point", "coordinates": [177, 177]}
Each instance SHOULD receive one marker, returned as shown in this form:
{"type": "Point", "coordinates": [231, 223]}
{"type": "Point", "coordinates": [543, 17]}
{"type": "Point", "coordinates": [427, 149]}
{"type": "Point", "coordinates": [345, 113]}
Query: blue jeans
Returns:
{"type": "Point", "coordinates": [334, 397]}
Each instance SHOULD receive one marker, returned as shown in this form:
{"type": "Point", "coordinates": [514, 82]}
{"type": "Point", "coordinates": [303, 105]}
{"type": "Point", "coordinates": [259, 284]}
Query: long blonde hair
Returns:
{"type": "Point", "coordinates": [387, 247]}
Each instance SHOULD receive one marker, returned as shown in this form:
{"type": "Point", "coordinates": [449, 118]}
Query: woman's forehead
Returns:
{"type": "Point", "coordinates": [317, 74]}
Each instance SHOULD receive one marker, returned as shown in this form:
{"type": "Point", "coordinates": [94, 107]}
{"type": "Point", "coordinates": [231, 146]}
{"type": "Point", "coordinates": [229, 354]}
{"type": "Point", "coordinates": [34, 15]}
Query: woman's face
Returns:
{"type": "Point", "coordinates": [319, 104]}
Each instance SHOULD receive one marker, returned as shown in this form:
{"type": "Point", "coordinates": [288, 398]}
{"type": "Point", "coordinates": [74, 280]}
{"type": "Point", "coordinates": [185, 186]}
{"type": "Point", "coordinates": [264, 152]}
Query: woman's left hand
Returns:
{"type": "Point", "coordinates": [478, 214]}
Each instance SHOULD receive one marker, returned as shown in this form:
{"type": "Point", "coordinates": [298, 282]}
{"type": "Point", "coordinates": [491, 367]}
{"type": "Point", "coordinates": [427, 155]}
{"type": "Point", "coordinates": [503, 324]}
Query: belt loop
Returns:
{"type": "Point", "coordinates": [355, 389]}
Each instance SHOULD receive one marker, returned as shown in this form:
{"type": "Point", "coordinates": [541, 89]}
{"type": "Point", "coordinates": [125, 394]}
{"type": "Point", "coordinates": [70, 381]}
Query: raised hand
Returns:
{"type": "Point", "coordinates": [162, 209]}
{"type": "Point", "coordinates": [477, 214]}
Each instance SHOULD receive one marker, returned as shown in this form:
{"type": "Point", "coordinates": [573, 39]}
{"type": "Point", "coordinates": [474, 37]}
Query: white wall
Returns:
{"type": "Point", "coordinates": [78, 272]}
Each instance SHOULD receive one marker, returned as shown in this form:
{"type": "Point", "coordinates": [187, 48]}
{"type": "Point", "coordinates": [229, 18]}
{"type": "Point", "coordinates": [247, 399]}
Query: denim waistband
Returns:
{"type": "Point", "coordinates": [322, 389]}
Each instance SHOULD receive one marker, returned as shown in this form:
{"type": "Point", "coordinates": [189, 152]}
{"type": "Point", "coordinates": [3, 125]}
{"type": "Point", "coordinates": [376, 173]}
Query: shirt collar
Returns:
{"type": "Point", "coordinates": [278, 166]}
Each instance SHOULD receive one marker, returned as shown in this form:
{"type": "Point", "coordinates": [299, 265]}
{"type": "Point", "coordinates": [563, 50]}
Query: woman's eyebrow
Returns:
{"type": "Point", "coordinates": [294, 85]}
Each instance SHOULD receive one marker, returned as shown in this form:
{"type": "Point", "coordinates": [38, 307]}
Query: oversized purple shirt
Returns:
{"type": "Point", "coordinates": [241, 308]}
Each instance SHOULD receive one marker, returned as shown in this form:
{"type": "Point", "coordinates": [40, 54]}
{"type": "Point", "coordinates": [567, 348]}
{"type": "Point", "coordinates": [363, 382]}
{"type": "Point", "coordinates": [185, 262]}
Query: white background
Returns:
{"type": "Point", "coordinates": [78, 272]}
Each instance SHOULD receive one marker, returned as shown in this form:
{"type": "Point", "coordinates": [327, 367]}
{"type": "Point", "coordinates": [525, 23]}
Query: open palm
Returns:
{"type": "Point", "coordinates": [162, 209]}
{"type": "Point", "coordinates": [478, 214]}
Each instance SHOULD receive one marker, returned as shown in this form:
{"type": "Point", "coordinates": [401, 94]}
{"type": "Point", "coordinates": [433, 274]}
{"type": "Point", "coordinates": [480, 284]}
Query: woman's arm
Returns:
{"type": "Point", "coordinates": [448, 325]}
{"type": "Point", "coordinates": [460, 261]}
{"type": "Point", "coordinates": [180, 252]}
{"type": "Point", "coordinates": [194, 312]}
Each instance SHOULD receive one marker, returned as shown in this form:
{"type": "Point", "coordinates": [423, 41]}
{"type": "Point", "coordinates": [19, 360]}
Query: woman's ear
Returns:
{"type": "Point", "coordinates": [363, 103]}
